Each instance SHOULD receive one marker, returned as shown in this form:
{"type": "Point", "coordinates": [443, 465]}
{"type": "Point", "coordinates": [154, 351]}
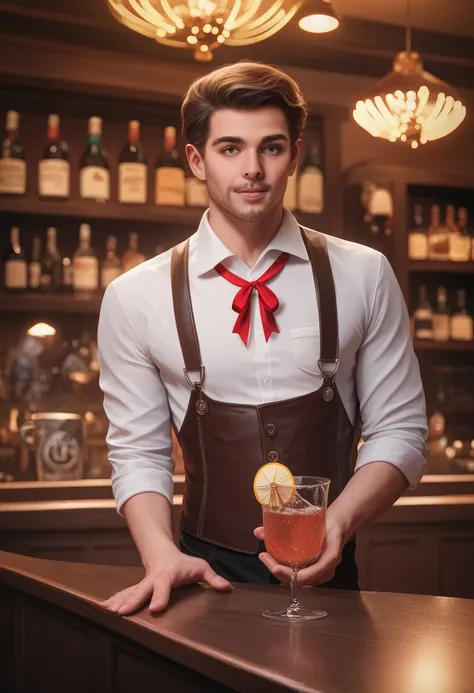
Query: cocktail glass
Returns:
{"type": "Point", "coordinates": [295, 535]}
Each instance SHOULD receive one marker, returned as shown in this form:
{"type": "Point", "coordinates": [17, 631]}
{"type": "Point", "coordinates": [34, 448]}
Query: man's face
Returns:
{"type": "Point", "coordinates": [246, 161]}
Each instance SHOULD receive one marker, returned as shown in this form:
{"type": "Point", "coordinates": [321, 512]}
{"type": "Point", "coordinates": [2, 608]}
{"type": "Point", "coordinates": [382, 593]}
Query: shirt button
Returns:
{"type": "Point", "coordinates": [273, 456]}
{"type": "Point", "coordinates": [266, 379]}
{"type": "Point", "coordinates": [270, 429]}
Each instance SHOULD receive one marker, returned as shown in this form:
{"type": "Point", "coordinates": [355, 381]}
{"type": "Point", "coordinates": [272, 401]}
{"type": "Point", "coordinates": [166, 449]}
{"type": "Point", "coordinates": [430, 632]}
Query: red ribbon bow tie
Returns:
{"type": "Point", "coordinates": [267, 299]}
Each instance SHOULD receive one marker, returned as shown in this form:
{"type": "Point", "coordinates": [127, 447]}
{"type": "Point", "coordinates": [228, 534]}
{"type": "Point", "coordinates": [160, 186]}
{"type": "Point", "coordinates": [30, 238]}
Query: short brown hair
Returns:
{"type": "Point", "coordinates": [244, 85]}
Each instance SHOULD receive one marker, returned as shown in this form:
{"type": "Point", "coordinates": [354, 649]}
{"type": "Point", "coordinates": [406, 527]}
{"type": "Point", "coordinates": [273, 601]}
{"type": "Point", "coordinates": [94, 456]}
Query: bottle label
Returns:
{"type": "Point", "coordinates": [95, 183]}
{"type": "Point", "coordinates": [459, 248]}
{"type": "Point", "coordinates": [16, 274]}
{"type": "Point", "coordinates": [170, 186]}
{"type": "Point", "coordinates": [462, 327]}
{"type": "Point", "coordinates": [196, 193]}
{"type": "Point", "coordinates": [438, 246]}
{"type": "Point", "coordinates": [108, 274]}
{"type": "Point", "coordinates": [132, 183]}
{"type": "Point", "coordinates": [441, 327]}
{"type": "Point", "coordinates": [53, 178]}
{"type": "Point", "coordinates": [417, 246]}
{"type": "Point", "coordinates": [86, 273]}
{"type": "Point", "coordinates": [12, 176]}
{"type": "Point", "coordinates": [311, 191]}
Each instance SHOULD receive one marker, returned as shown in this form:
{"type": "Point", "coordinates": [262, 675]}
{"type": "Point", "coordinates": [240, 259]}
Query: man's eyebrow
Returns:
{"type": "Point", "coordinates": [229, 139]}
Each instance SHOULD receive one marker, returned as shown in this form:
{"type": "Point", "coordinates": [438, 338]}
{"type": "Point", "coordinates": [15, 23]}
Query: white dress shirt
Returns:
{"type": "Point", "coordinates": [141, 364]}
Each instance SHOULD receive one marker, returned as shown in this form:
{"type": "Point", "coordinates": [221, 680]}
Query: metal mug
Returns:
{"type": "Point", "coordinates": [59, 441]}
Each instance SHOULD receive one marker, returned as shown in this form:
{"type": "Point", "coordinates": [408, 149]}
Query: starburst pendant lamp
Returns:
{"type": "Point", "coordinates": [203, 25]}
{"type": "Point", "coordinates": [409, 104]}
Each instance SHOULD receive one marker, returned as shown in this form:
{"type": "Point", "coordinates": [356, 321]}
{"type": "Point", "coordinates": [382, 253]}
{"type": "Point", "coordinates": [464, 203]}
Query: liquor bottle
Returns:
{"type": "Point", "coordinates": [51, 264]}
{"type": "Point", "coordinates": [53, 168]}
{"type": "Point", "coordinates": [170, 184]}
{"type": "Point", "coordinates": [196, 192]}
{"type": "Point", "coordinates": [132, 257]}
{"type": "Point", "coordinates": [417, 238]}
{"type": "Point", "coordinates": [15, 265]}
{"type": "Point", "coordinates": [423, 317]}
{"type": "Point", "coordinates": [460, 248]}
{"type": "Point", "coordinates": [95, 175]}
{"type": "Point", "coordinates": [111, 265]}
{"type": "Point", "coordinates": [311, 182]}
{"type": "Point", "coordinates": [85, 263]}
{"type": "Point", "coordinates": [68, 275]}
{"type": "Point", "coordinates": [132, 171]}
{"type": "Point", "coordinates": [438, 237]}
{"type": "Point", "coordinates": [34, 268]}
{"type": "Point", "coordinates": [441, 319]}
{"type": "Point", "coordinates": [12, 159]}
{"type": "Point", "coordinates": [461, 320]}
{"type": "Point", "coordinates": [290, 199]}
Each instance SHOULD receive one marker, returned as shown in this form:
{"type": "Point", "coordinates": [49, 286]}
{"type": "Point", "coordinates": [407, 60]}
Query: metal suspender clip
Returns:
{"type": "Point", "coordinates": [328, 375]}
{"type": "Point", "coordinates": [201, 404]}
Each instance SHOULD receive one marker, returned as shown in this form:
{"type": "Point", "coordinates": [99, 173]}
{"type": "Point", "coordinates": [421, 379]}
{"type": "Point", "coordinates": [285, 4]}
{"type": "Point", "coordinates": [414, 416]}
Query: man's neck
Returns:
{"type": "Point", "coordinates": [247, 239]}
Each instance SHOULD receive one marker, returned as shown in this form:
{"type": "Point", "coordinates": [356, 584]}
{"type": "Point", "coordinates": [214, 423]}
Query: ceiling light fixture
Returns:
{"type": "Point", "coordinates": [319, 17]}
{"type": "Point", "coordinates": [204, 25]}
{"type": "Point", "coordinates": [409, 104]}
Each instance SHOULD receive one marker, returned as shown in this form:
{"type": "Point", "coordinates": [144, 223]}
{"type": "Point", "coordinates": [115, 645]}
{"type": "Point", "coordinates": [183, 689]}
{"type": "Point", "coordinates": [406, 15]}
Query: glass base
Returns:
{"type": "Point", "coordinates": [293, 615]}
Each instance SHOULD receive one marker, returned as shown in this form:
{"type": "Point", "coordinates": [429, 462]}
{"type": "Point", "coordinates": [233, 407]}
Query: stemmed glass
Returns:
{"type": "Point", "coordinates": [295, 535]}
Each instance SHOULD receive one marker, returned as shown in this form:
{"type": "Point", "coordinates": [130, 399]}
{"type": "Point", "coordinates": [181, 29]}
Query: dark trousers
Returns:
{"type": "Point", "coordinates": [242, 567]}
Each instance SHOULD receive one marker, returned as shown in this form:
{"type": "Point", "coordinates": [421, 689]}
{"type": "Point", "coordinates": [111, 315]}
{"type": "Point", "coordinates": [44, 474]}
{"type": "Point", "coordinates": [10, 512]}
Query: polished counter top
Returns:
{"type": "Point", "coordinates": [371, 642]}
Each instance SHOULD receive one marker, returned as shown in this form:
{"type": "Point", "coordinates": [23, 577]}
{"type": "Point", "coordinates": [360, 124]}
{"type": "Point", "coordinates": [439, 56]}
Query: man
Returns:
{"type": "Point", "coordinates": [259, 341]}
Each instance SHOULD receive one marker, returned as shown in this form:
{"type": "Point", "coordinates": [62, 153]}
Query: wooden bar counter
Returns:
{"type": "Point", "coordinates": [54, 636]}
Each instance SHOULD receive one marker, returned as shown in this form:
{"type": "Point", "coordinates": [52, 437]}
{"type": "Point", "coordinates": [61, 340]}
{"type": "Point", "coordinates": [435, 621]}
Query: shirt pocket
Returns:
{"type": "Point", "coordinates": [305, 348]}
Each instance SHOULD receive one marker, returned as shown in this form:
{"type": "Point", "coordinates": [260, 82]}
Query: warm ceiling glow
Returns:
{"type": "Point", "coordinates": [410, 105]}
{"type": "Point", "coordinates": [318, 23]}
{"type": "Point", "coordinates": [41, 329]}
{"type": "Point", "coordinates": [203, 25]}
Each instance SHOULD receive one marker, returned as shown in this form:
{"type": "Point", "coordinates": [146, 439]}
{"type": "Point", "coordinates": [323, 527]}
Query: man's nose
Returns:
{"type": "Point", "coordinates": [253, 169]}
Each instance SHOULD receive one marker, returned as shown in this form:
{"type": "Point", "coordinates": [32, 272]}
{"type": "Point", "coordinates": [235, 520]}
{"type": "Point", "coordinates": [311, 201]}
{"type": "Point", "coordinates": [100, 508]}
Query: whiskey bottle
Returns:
{"type": "Point", "coordinates": [417, 238]}
{"type": "Point", "coordinates": [85, 263]}
{"type": "Point", "coordinates": [460, 249]}
{"type": "Point", "coordinates": [132, 257]}
{"type": "Point", "coordinates": [441, 319]}
{"type": "Point", "coordinates": [51, 265]}
{"type": "Point", "coordinates": [12, 159]}
{"type": "Point", "coordinates": [423, 317]}
{"type": "Point", "coordinates": [461, 320]}
{"type": "Point", "coordinates": [111, 265]}
{"type": "Point", "coordinates": [53, 167]}
{"type": "Point", "coordinates": [94, 175]}
{"type": "Point", "coordinates": [15, 265]}
{"type": "Point", "coordinates": [196, 192]}
{"type": "Point", "coordinates": [311, 182]}
{"type": "Point", "coordinates": [34, 268]}
{"type": "Point", "coordinates": [438, 237]}
{"type": "Point", "coordinates": [170, 184]}
{"type": "Point", "coordinates": [132, 172]}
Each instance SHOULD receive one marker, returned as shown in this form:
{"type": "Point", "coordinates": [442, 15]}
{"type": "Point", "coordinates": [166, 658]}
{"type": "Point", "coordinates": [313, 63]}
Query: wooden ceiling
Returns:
{"type": "Point", "coordinates": [371, 32]}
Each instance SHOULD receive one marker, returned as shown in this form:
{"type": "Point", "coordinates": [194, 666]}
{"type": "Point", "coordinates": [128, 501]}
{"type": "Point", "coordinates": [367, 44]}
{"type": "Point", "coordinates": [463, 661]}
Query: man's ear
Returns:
{"type": "Point", "coordinates": [295, 156]}
{"type": "Point", "coordinates": [195, 161]}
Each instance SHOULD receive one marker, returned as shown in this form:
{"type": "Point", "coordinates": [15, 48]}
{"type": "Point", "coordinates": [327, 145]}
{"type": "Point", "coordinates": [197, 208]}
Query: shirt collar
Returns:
{"type": "Point", "coordinates": [208, 249]}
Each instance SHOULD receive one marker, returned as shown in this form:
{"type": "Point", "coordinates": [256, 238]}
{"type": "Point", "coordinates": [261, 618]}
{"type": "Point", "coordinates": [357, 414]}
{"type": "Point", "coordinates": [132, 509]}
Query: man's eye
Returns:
{"type": "Point", "coordinates": [272, 149]}
{"type": "Point", "coordinates": [229, 150]}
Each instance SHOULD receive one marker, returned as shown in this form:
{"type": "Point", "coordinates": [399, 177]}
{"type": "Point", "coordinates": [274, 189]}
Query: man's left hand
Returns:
{"type": "Point", "coordinates": [319, 572]}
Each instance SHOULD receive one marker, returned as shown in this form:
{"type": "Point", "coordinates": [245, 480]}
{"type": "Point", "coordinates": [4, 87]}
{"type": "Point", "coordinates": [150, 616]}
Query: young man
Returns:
{"type": "Point", "coordinates": [259, 341]}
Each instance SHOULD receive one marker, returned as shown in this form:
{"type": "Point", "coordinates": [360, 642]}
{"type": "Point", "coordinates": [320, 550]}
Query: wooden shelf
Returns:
{"type": "Point", "coordinates": [51, 303]}
{"type": "Point", "coordinates": [89, 209]}
{"type": "Point", "coordinates": [427, 344]}
{"type": "Point", "coordinates": [440, 266]}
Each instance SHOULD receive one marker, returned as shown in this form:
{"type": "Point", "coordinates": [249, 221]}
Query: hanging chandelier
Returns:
{"type": "Point", "coordinates": [203, 25]}
{"type": "Point", "coordinates": [410, 105]}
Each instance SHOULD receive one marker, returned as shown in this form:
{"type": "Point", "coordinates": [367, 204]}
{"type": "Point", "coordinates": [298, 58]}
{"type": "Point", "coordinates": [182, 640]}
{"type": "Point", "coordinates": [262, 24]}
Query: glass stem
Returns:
{"type": "Point", "coordinates": [295, 604]}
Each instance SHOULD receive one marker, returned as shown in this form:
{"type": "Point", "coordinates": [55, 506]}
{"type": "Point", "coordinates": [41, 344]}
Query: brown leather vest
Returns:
{"type": "Point", "coordinates": [224, 444]}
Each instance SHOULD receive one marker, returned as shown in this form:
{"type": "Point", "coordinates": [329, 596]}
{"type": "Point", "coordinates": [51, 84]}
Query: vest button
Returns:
{"type": "Point", "coordinates": [273, 456]}
{"type": "Point", "coordinates": [271, 429]}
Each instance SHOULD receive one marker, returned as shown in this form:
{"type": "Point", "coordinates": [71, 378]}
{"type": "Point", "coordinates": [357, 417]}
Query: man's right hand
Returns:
{"type": "Point", "coordinates": [177, 570]}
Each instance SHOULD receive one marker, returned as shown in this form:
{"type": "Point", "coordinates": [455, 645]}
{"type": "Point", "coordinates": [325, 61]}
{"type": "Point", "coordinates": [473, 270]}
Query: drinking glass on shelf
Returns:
{"type": "Point", "coordinates": [295, 535]}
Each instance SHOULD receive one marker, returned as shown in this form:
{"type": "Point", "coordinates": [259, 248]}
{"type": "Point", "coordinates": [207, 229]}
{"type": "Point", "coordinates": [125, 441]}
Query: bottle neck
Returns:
{"type": "Point", "coordinates": [53, 133]}
{"type": "Point", "coordinates": [94, 140]}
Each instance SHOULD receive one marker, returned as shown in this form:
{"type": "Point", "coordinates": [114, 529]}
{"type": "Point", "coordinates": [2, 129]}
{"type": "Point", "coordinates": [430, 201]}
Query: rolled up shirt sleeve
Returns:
{"type": "Point", "coordinates": [391, 398]}
{"type": "Point", "coordinates": [136, 405]}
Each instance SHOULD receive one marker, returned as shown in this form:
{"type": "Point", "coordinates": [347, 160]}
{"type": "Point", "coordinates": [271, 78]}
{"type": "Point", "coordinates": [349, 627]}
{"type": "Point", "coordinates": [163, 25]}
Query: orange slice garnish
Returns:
{"type": "Point", "coordinates": [274, 485]}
